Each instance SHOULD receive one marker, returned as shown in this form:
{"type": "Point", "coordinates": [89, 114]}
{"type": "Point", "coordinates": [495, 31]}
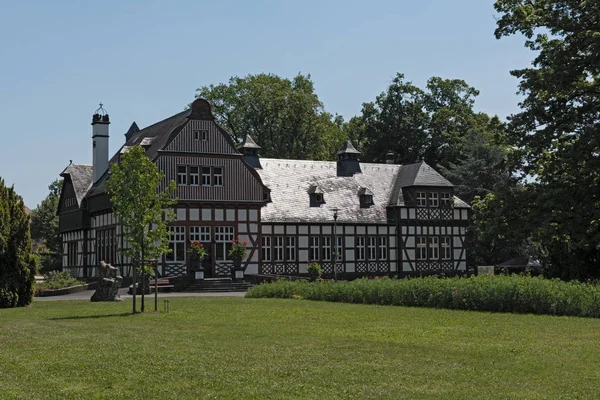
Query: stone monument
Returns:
{"type": "Point", "coordinates": [108, 283]}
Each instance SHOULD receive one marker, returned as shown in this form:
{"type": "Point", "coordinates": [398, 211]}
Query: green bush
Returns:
{"type": "Point", "coordinates": [58, 280]}
{"type": "Point", "coordinates": [519, 294]}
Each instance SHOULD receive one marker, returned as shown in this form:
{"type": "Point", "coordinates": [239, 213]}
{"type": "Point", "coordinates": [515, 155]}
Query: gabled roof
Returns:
{"type": "Point", "coordinates": [81, 177]}
{"type": "Point", "coordinates": [421, 174]}
{"type": "Point", "coordinates": [363, 191]}
{"type": "Point", "coordinates": [134, 128]}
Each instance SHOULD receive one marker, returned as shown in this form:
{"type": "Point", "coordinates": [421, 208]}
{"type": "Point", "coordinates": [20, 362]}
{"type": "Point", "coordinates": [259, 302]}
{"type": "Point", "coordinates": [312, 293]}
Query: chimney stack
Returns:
{"type": "Point", "coordinates": [100, 122]}
{"type": "Point", "coordinates": [389, 157]}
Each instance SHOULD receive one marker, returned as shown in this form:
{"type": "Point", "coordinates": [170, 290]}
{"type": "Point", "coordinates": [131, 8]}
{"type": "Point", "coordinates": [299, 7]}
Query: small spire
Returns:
{"type": "Point", "coordinates": [249, 143]}
{"type": "Point", "coordinates": [132, 130]}
{"type": "Point", "coordinates": [348, 148]}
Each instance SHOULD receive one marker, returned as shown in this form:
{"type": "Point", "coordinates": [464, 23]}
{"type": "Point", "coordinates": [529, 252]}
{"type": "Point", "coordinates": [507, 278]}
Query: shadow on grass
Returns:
{"type": "Point", "coordinates": [128, 314]}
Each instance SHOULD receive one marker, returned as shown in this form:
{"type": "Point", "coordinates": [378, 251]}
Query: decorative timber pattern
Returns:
{"type": "Point", "coordinates": [175, 270]}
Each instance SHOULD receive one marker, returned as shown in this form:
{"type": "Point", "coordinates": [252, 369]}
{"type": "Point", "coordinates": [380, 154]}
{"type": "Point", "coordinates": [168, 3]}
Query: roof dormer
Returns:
{"type": "Point", "coordinates": [316, 196]}
{"type": "Point", "coordinates": [365, 197]}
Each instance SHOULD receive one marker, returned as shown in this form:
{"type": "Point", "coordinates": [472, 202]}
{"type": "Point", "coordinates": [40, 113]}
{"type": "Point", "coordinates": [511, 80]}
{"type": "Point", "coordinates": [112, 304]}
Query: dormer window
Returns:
{"type": "Point", "coordinates": [316, 196]}
{"type": "Point", "coordinates": [267, 196]}
{"type": "Point", "coordinates": [366, 197]}
{"type": "Point", "coordinates": [445, 200]}
{"type": "Point", "coordinates": [433, 200]}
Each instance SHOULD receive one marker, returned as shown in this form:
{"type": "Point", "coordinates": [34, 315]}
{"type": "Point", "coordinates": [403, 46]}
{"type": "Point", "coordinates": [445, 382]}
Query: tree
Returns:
{"type": "Point", "coordinates": [556, 134]}
{"type": "Point", "coordinates": [44, 226]}
{"type": "Point", "coordinates": [285, 117]}
{"type": "Point", "coordinates": [140, 209]}
{"type": "Point", "coordinates": [17, 277]}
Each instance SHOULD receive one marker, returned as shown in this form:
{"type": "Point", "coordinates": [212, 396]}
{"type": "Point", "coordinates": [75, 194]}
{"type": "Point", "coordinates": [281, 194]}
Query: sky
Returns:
{"type": "Point", "coordinates": [144, 61]}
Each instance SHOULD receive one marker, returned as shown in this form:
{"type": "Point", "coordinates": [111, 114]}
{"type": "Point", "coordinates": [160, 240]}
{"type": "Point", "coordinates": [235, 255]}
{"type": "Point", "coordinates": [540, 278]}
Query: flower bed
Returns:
{"type": "Point", "coordinates": [519, 294]}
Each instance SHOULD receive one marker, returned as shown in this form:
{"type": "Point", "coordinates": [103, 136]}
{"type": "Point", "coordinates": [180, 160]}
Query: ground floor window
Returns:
{"type": "Point", "coordinates": [446, 249]}
{"type": "Point", "coordinates": [326, 248]}
{"type": "Point", "coordinates": [383, 249]}
{"type": "Point", "coordinates": [266, 248]}
{"type": "Point", "coordinates": [72, 254]}
{"type": "Point", "coordinates": [434, 248]}
{"type": "Point", "coordinates": [360, 248]}
{"type": "Point", "coordinates": [200, 234]}
{"type": "Point", "coordinates": [223, 238]}
{"type": "Point", "coordinates": [176, 244]}
{"type": "Point", "coordinates": [278, 248]}
{"type": "Point", "coordinates": [314, 248]}
{"type": "Point", "coordinates": [106, 246]}
{"type": "Point", "coordinates": [421, 248]}
{"type": "Point", "coordinates": [290, 246]}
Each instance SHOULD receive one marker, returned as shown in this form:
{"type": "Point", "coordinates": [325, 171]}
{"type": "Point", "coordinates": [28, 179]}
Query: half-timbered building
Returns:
{"type": "Point", "coordinates": [353, 218]}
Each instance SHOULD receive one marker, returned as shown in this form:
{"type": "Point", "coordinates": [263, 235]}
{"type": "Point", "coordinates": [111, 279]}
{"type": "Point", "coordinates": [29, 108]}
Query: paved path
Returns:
{"type": "Point", "coordinates": [87, 294]}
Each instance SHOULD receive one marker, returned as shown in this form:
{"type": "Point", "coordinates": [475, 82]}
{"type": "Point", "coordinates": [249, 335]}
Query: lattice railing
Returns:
{"type": "Point", "coordinates": [280, 269]}
{"type": "Point", "coordinates": [434, 213]}
{"type": "Point", "coordinates": [365, 267]}
{"type": "Point", "coordinates": [223, 270]}
{"type": "Point", "coordinates": [175, 270]}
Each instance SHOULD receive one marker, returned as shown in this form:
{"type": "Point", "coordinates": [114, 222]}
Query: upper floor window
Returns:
{"type": "Point", "coordinates": [446, 249]}
{"type": "Point", "coordinates": [205, 176]}
{"type": "Point", "coordinates": [194, 176]}
{"type": "Point", "coordinates": [200, 134]}
{"type": "Point", "coordinates": [433, 199]}
{"type": "Point", "coordinates": [182, 175]}
{"type": "Point", "coordinates": [218, 176]}
{"type": "Point", "coordinates": [445, 199]}
{"type": "Point", "coordinates": [434, 248]}
{"type": "Point", "coordinates": [70, 202]}
{"type": "Point", "coordinates": [421, 199]}
{"type": "Point", "coordinates": [421, 248]}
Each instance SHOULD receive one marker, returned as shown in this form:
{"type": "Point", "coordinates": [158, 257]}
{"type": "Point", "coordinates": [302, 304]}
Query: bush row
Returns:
{"type": "Point", "coordinates": [58, 280]}
{"type": "Point", "coordinates": [514, 293]}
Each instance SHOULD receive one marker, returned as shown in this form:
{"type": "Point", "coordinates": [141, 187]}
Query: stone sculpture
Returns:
{"type": "Point", "coordinates": [108, 283]}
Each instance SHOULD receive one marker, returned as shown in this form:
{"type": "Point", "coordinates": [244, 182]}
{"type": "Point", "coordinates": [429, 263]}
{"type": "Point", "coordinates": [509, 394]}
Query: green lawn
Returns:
{"type": "Point", "coordinates": [264, 348]}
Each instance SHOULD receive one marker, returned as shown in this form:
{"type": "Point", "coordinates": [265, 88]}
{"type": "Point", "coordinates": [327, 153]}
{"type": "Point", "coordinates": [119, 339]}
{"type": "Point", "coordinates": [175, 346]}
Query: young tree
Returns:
{"type": "Point", "coordinates": [284, 116]}
{"type": "Point", "coordinates": [16, 275]}
{"type": "Point", "coordinates": [140, 209]}
{"type": "Point", "coordinates": [44, 226]}
{"type": "Point", "coordinates": [557, 133]}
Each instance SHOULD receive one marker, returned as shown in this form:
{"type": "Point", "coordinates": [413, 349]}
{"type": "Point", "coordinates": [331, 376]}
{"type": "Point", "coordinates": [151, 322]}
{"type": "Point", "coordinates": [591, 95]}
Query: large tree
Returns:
{"type": "Point", "coordinates": [16, 276]}
{"type": "Point", "coordinates": [557, 133]}
{"type": "Point", "coordinates": [140, 209]}
{"type": "Point", "coordinates": [284, 116]}
{"type": "Point", "coordinates": [44, 226]}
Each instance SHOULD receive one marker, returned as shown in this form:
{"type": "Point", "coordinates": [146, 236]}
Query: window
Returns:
{"type": "Point", "coordinates": [368, 199]}
{"type": "Point", "coordinates": [433, 199]}
{"type": "Point", "coordinates": [434, 248]}
{"type": "Point", "coordinates": [200, 234]}
{"type": "Point", "coordinates": [445, 200]}
{"type": "Point", "coordinates": [372, 248]}
{"type": "Point", "coordinates": [340, 248]}
{"type": "Point", "coordinates": [318, 197]}
{"type": "Point", "coordinates": [266, 248]}
{"type": "Point", "coordinates": [106, 249]}
{"type": "Point", "coordinates": [382, 244]}
{"type": "Point", "coordinates": [314, 248]}
{"type": "Point", "coordinates": [290, 248]}
{"type": "Point", "coordinates": [278, 248]}
{"type": "Point", "coordinates": [218, 176]}
{"type": "Point", "coordinates": [326, 249]}
{"type": "Point", "coordinates": [360, 248]}
{"type": "Point", "coordinates": [70, 202]}
{"type": "Point", "coordinates": [194, 176]}
{"type": "Point", "coordinates": [72, 254]}
{"type": "Point", "coordinates": [176, 244]}
{"type": "Point", "coordinates": [421, 199]}
{"type": "Point", "coordinates": [196, 135]}
{"type": "Point", "coordinates": [204, 135]}
{"type": "Point", "coordinates": [223, 239]}
{"type": "Point", "coordinates": [421, 248]}
{"type": "Point", "coordinates": [205, 176]}
{"type": "Point", "coordinates": [446, 249]}
{"type": "Point", "coordinates": [182, 175]}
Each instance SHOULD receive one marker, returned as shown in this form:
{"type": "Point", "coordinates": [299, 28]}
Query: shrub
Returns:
{"type": "Point", "coordinates": [58, 280]}
{"type": "Point", "coordinates": [520, 294]}
{"type": "Point", "coordinates": [315, 270]}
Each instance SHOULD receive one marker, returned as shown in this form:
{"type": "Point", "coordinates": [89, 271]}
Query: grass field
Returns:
{"type": "Point", "coordinates": [273, 349]}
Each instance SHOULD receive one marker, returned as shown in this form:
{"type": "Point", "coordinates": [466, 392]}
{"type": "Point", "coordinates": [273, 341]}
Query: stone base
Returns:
{"type": "Point", "coordinates": [108, 290]}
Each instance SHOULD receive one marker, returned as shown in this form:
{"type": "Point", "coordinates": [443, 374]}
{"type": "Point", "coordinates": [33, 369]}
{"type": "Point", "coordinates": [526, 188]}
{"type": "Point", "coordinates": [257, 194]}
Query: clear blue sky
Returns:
{"type": "Point", "coordinates": [144, 60]}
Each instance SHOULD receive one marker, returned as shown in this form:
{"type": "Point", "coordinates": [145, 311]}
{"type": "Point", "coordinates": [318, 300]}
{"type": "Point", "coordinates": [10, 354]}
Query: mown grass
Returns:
{"type": "Point", "coordinates": [215, 348]}
{"type": "Point", "coordinates": [514, 293]}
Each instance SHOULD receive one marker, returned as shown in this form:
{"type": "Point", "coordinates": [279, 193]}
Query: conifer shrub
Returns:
{"type": "Point", "coordinates": [514, 293]}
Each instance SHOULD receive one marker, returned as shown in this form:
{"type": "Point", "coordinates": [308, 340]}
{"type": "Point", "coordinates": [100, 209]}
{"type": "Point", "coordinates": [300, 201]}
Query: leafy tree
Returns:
{"type": "Point", "coordinates": [285, 117]}
{"type": "Point", "coordinates": [44, 226]}
{"type": "Point", "coordinates": [556, 135]}
{"type": "Point", "coordinates": [17, 268]}
{"type": "Point", "coordinates": [140, 208]}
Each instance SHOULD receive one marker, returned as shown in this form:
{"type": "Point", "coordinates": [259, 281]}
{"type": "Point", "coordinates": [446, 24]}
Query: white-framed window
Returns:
{"type": "Point", "coordinates": [360, 248]}
{"type": "Point", "coordinates": [200, 234]}
{"type": "Point", "coordinates": [278, 248]}
{"type": "Point", "coordinates": [223, 238]}
{"type": "Point", "coordinates": [194, 176]}
{"type": "Point", "coordinates": [290, 248]}
{"type": "Point", "coordinates": [106, 245]}
{"type": "Point", "coordinates": [382, 244]}
{"type": "Point", "coordinates": [314, 248]}
{"type": "Point", "coordinates": [421, 199]}
{"type": "Point", "coordinates": [372, 248]}
{"type": "Point", "coordinates": [218, 176]}
{"type": "Point", "coordinates": [182, 175]}
{"type": "Point", "coordinates": [205, 176]}
{"type": "Point", "coordinates": [266, 248]}
{"type": "Point", "coordinates": [445, 200]}
{"type": "Point", "coordinates": [176, 244]}
{"type": "Point", "coordinates": [434, 248]}
{"type": "Point", "coordinates": [340, 248]}
{"type": "Point", "coordinates": [446, 248]}
{"type": "Point", "coordinates": [421, 248]}
{"type": "Point", "coordinates": [72, 254]}
{"type": "Point", "coordinates": [326, 248]}
{"type": "Point", "coordinates": [433, 199]}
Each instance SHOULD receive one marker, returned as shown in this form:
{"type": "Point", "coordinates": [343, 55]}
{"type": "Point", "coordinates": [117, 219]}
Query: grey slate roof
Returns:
{"type": "Point", "coordinates": [249, 143]}
{"type": "Point", "coordinates": [81, 177]}
{"type": "Point", "coordinates": [348, 149]}
{"type": "Point", "coordinates": [290, 182]}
